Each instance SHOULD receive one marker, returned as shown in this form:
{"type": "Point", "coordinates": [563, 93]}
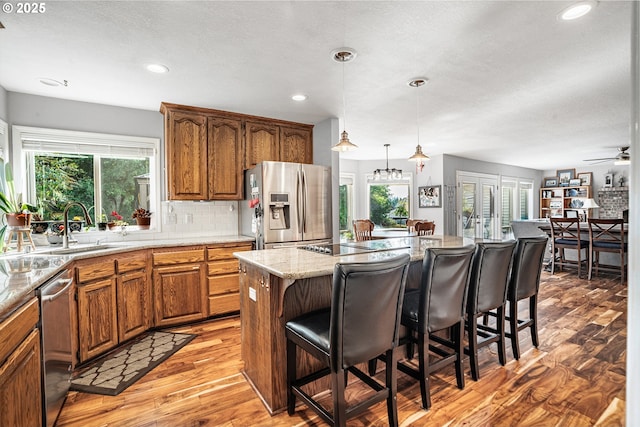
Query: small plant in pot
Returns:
{"type": "Point", "coordinates": [16, 212]}
{"type": "Point", "coordinates": [116, 221]}
{"type": "Point", "coordinates": [142, 217]}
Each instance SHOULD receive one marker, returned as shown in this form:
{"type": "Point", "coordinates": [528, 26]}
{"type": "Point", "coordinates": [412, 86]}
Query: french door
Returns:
{"type": "Point", "coordinates": [477, 206]}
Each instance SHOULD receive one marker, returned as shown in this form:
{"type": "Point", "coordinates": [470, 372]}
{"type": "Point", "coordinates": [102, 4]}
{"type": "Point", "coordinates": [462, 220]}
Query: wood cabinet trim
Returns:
{"type": "Point", "coordinates": [166, 107]}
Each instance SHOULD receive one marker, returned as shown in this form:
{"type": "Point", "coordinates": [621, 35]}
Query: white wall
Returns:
{"type": "Point", "coordinates": [325, 136]}
{"type": "Point", "coordinates": [3, 105]}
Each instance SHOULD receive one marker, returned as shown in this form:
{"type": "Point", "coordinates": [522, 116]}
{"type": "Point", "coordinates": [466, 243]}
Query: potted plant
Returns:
{"type": "Point", "coordinates": [16, 212]}
{"type": "Point", "coordinates": [116, 221]}
{"type": "Point", "coordinates": [102, 222]}
{"type": "Point", "coordinates": [142, 217]}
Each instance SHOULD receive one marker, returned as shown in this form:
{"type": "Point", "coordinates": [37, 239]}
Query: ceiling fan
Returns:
{"type": "Point", "coordinates": [622, 158]}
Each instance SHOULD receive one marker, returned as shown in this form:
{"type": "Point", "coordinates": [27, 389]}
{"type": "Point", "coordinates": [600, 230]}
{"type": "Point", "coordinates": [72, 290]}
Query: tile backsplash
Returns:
{"type": "Point", "coordinates": [216, 218]}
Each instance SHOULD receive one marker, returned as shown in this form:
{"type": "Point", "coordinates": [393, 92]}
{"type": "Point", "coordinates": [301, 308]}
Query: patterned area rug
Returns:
{"type": "Point", "coordinates": [114, 372]}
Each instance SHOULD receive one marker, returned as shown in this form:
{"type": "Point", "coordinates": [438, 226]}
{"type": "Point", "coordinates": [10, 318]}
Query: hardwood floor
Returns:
{"type": "Point", "coordinates": [575, 378]}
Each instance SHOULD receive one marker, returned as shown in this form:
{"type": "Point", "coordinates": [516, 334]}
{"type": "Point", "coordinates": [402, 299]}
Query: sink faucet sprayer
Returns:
{"type": "Point", "coordinates": [65, 235]}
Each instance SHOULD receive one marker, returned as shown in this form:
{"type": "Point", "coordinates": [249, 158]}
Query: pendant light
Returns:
{"type": "Point", "coordinates": [344, 55]}
{"type": "Point", "coordinates": [419, 157]}
{"type": "Point", "coordinates": [388, 173]}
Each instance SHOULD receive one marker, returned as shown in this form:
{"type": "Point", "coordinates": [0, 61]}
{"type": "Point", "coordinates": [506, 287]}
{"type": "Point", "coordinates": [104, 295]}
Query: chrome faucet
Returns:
{"type": "Point", "coordinates": [65, 234]}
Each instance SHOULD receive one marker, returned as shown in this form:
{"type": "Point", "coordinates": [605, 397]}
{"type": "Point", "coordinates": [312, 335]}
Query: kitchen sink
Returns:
{"type": "Point", "coordinates": [76, 249]}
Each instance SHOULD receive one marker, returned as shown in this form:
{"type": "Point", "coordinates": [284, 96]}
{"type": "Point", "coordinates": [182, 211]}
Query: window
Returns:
{"type": "Point", "coordinates": [389, 203]}
{"type": "Point", "coordinates": [104, 172]}
{"type": "Point", "coordinates": [346, 203]}
{"type": "Point", "coordinates": [517, 203]}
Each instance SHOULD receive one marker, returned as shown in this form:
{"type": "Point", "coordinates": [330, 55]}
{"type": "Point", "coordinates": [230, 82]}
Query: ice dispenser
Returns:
{"type": "Point", "coordinates": [279, 211]}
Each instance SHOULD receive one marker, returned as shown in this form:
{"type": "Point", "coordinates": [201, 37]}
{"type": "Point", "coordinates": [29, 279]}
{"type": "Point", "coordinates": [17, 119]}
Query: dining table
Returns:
{"type": "Point", "coordinates": [277, 285]}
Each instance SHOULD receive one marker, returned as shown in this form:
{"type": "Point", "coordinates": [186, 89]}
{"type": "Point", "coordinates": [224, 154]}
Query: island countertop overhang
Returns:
{"type": "Point", "coordinates": [294, 263]}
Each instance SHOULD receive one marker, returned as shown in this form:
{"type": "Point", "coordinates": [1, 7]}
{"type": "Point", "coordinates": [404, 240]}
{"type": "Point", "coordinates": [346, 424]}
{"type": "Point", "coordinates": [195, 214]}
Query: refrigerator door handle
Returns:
{"type": "Point", "coordinates": [299, 211]}
{"type": "Point", "coordinates": [304, 201]}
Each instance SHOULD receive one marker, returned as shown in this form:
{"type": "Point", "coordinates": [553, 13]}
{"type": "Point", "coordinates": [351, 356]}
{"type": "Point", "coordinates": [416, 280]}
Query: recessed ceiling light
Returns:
{"type": "Point", "coordinates": [344, 54]}
{"type": "Point", "coordinates": [299, 97]}
{"type": "Point", "coordinates": [52, 82]}
{"type": "Point", "coordinates": [157, 68]}
{"type": "Point", "coordinates": [577, 10]}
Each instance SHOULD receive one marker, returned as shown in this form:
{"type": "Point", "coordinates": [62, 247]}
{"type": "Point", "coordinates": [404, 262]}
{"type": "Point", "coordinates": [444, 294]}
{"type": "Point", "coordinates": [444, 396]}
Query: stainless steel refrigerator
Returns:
{"type": "Point", "coordinates": [287, 204]}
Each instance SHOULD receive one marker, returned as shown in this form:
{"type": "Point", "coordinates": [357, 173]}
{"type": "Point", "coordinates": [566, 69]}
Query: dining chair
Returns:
{"type": "Point", "coordinates": [439, 304]}
{"type": "Point", "coordinates": [362, 229]}
{"type": "Point", "coordinates": [524, 282]}
{"type": "Point", "coordinates": [425, 228]}
{"type": "Point", "coordinates": [565, 234]}
{"type": "Point", "coordinates": [362, 323]}
{"type": "Point", "coordinates": [490, 269]}
{"type": "Point", "coordinates": [411, 224]}
{"type": "Point", "coordinates": [607, 235]}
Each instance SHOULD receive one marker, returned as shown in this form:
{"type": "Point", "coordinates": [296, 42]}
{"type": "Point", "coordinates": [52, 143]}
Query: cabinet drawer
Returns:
{"type": "Point", "coordinates": [224, 284]}
{"type": "Point", "coordinates": [178, 257]}
{"type": "Point", "coordinates": [224, 304]}
{"type": "Point", "coordinates": [225, 252]}
{"type": "Point", "coordinates": [221, 267]}
{"type": "Point", "coordinates": [97, 270]}
{"type": "Point", "coordinates": [15, 328]}
{"type": "Point", "coordinates": [135, 262]}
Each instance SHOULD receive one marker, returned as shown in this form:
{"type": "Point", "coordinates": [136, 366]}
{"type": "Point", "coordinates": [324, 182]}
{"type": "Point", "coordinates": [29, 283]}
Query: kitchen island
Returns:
{"type": "Point", "coordinates": [277, 285]}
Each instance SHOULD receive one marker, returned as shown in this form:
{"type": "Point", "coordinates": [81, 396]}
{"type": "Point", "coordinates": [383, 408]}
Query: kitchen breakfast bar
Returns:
{"type": "Point", "coordinates": [277, 285]}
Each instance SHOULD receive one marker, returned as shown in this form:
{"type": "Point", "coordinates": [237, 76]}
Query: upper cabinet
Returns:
{"type": "Point", "coordinates": [186, 155]}
{"type": "Point", "coordinates": [263, 141]}
{"type": "Point", "coordinates": [225, 159]}
{"type": "Point", "coordinates": [296, 144]}
{"type": "Point", "coordinates": [206, 151]}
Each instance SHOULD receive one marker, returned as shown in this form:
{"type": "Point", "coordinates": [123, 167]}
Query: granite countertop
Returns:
{"type": "Point", "coordinates": [295, 263]}
{"type": "Point", "coordinates": [22, 273]}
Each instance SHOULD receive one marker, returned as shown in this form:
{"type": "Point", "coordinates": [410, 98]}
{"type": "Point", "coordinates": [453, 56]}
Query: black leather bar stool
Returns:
{"type": "Point", "coordinates": [524, 283]}
{"type": "Point", "coordinates": [362, 323]}
{"type": "Point", "coordinates": [438, 305]}
{"type": "Point", "coordinates": [488, 291]}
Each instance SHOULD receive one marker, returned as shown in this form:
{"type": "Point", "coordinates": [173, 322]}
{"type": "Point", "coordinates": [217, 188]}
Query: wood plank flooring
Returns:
{"type": "Point", "coordinates": [575, 378]}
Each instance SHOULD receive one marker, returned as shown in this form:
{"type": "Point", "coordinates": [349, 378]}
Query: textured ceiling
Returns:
{"type": "Point", "coordinates": [509, 82]}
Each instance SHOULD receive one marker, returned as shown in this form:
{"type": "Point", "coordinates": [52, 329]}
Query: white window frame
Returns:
{"type": "Point", "coordinates": [122, 146]}
{"type": "Point", "coordinates": [407, 178]}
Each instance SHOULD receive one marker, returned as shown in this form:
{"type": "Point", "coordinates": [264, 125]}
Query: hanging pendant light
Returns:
{"type": "Point", "coordinates": [419, 157]}
{"type": "Point", "coordinates": [387, 174]}
{"type": "Point", "coordinates": [344, 55]}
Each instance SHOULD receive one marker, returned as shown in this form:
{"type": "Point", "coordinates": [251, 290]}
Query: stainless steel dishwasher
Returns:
{"type": "Point", "coordinates": [55, 314]}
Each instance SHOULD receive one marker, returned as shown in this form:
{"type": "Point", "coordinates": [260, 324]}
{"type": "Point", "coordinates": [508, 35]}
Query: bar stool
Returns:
{"type": "Point", "coordinates": [22, 234]}
{"type": "Point", "coordinates": [362, 323]}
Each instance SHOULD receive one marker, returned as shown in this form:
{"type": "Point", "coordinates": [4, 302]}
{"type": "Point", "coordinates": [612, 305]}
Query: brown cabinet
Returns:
{"type": "Point", "coordinates": [207, 150]}
{"type": "Point", "coordinates": [97, 309]}
{"type": "Point", "coordinates": [225, 158]}
{"type": "Point", "coordinates": [20, 368]}
{"type": "Point", "coordinates": [296, 144]}
{"type": "Point", "coordinates": [133, 289]}
{"type": "Point", "coordinates": [114, 301]}
{"type": "Point", "coordinates": [222, 278]}
{"type": "Point", "coordinates": [262, 143]}
{"type": "Point", "coordinates": [179, 286]}
{"type": "Point", "coordinates": [278, 142]}
{"type": "Point", "coordinates": [186, 155]}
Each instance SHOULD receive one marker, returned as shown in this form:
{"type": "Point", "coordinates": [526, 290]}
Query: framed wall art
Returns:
{"type": "Point", "coordinates": [608, 180]}
{"type": "Point", "coordinates": [551, 181]}
{"type": "Point", "coordinates": [429, 196]}
{"type": "Point", "coordinates": [585, 178]}
{"type": "Point", "coordinates": [565, 175]}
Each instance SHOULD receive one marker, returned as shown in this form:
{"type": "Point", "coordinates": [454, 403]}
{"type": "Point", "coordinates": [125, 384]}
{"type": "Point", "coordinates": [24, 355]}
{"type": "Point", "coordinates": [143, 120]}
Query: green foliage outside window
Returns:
{"type": "Point", "coordinates": [60, 180]}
